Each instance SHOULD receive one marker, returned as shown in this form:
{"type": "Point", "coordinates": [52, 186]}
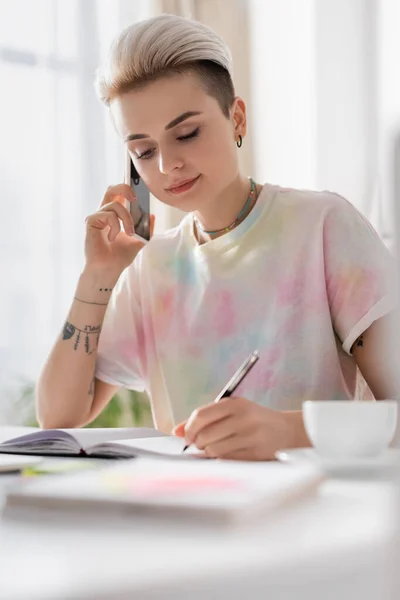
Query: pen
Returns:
{"type": "Point", "coordinates": [236, 379]}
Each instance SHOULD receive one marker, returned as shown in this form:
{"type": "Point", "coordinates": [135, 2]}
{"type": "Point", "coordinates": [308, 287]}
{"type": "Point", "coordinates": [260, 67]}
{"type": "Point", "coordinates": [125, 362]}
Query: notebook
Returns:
{"type": "Point", "coordinates": [223, 489]}
{"type": "Point", "coordinates": [100, 443]}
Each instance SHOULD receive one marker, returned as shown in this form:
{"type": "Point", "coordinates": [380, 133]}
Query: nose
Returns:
{"type": "Point", "coordinates": [168, 161]}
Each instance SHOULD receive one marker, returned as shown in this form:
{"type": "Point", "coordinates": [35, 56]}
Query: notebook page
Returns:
{"type": "Point", "coordinates": [68, 441]}
{"type": "Point", "coordinates": [87, 438]}
{"type": "Point", "coordinates": [42, 441]}
{"type": "Point", "coordinates": [10, 432]}
{"type": "Point", "coordinates": [167, 446]}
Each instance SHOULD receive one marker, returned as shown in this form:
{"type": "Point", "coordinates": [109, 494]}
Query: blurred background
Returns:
{"type": "Point", "coordinates": [321, 81]}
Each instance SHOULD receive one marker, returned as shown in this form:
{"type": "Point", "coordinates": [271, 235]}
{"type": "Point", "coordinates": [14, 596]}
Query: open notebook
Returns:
{"type": "Point", "coordinates": [227, 490]}
{"type": "Point", "coordinates": [100, 443]}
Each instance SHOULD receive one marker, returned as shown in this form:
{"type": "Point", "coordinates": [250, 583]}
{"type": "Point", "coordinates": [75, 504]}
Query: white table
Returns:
{"type": "Point", "coordinates": [335, 544]}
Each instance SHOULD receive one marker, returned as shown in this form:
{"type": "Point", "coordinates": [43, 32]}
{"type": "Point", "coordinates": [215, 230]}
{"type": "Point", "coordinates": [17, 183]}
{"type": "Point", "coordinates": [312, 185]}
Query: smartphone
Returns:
{"type": "Point", "coordinates": [140, 210]}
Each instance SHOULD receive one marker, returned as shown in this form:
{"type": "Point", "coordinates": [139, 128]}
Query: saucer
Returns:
{"type": "Point", "coordinates": [387, 462]}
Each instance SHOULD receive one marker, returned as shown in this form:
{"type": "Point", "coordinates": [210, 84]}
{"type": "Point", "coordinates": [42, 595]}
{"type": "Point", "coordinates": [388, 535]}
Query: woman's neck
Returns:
{"type": "Point", "coordinates": [223, 210]}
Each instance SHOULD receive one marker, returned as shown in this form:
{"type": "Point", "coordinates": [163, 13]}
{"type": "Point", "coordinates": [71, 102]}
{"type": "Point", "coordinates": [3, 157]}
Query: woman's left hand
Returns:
{"type": "Point", "coordinates": [237, 429]}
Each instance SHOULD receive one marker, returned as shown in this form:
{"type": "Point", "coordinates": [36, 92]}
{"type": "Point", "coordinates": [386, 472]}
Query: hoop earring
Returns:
{"type": "Point", "coordinates": [239, 142]}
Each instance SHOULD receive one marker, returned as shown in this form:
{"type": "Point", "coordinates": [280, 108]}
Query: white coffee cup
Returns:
{"type": "Point", "coordinates": [350, 428]}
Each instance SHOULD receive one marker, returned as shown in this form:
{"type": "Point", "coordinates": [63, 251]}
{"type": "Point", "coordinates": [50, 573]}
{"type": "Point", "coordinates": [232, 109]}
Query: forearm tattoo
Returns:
{"type": "Point", "coordinates": [91, 388]}
{"type": "Point", "coordinates": [95, 303]}
{"type": "Point", "coordinates": [90, 333]}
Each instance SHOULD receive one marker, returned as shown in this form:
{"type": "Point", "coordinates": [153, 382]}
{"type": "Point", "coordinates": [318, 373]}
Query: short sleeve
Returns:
{"type": "Point", "coordinates": [119, 358]}
{"type": "Point", "coordinates": [359, 272]}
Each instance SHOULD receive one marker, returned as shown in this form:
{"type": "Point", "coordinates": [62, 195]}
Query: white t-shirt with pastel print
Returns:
{"type": "Point", "coordinates": [299, 280]}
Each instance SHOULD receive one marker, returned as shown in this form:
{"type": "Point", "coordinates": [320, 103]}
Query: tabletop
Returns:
{"type": "Point", "coordinates": [335, 542]}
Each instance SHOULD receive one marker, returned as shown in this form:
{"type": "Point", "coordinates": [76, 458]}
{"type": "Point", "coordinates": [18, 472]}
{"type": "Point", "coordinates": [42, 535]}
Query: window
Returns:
{"type": "Point", "coordinates": [58, 153]}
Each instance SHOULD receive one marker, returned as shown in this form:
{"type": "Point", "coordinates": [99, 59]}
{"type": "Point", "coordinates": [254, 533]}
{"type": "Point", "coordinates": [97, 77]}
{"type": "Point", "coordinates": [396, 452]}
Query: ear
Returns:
{"type": "Point", "coordinates": [239, 118]}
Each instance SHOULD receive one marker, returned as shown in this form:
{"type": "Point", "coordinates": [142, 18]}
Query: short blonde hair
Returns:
{"type": "Point", "coordinates": [165, 45]}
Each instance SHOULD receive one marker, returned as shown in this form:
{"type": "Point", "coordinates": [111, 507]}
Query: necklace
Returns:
{"type": "Point", "coordinates": [240, 215]}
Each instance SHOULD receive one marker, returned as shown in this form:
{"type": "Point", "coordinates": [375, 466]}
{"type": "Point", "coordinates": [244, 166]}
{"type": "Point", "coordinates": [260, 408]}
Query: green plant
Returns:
{"type": "Point", "coordinates": [127, 408]}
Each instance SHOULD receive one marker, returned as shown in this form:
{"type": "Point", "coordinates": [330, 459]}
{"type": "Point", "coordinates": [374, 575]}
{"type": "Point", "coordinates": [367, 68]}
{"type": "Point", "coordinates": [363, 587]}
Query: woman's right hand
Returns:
{"type": "Point", "coordinates": [107, 247]}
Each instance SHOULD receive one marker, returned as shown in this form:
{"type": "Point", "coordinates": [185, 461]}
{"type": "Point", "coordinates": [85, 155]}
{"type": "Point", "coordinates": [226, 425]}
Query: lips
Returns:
{"type": "Point", "coordinates": [183, 186]}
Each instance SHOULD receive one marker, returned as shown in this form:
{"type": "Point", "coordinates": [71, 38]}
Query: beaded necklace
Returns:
{"type": "Point", "coordinates": [238, 218]}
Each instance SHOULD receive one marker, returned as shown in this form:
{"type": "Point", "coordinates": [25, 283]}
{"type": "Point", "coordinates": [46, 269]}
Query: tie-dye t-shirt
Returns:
{"type": "Point", "coordinates": [299, 280]}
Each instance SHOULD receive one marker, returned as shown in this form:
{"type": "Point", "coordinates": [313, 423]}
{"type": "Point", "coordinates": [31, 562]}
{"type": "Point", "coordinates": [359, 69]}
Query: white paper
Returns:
{"type": "Point", "coordinates": [168, 446]}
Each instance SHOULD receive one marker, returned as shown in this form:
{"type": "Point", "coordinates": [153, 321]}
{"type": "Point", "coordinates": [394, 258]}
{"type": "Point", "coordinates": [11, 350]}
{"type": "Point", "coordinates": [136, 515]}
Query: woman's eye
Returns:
{"type": "Point", "coordinates": [182, 138]}
{"type": "Point", "coordinates": [189, 136]}
{"type": "Point", "coordinates": [145, 155]}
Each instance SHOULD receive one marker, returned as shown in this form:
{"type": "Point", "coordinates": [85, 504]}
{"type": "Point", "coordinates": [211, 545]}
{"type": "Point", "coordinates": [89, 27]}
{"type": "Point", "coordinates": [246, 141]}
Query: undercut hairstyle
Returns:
{"type": "Point", "coordinates": [162, 47]}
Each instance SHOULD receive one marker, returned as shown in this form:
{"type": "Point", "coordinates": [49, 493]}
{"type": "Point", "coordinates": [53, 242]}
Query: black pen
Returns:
{"type": "Point", "coordinates": [236, 379]}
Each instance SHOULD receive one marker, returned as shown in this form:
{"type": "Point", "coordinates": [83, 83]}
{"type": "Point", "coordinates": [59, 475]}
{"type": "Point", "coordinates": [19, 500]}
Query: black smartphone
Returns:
{"type": "Point", "coordinates": [140, 210]}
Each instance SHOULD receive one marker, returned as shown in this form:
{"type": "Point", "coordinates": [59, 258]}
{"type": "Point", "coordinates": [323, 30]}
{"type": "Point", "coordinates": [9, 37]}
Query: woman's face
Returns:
{"type": "Point", "coordinates": [181, 143]}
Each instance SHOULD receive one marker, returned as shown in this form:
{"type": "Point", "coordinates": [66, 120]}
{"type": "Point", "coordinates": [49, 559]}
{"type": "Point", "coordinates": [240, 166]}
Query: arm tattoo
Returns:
{"type": "Point", "coordinates": [360, 342]}
{"type": "Point", "coordinates": [71, 332]}
{"type": "Point", "coordinates": [92, 302]}
{"type": "Point", "coordinates": [87, 302]}
{"type": "Point", "coordinates": [91, 388]}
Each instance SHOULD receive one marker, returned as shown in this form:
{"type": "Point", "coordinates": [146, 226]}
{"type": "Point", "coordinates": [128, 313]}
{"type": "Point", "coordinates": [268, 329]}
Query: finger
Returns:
{"type": "Point", "coordinates": [123, 213]}
{"type": "Point", "coordinates": [216, 432]}
{"type": "Point", "coordinates": [104, 219]}
{"type": "Point", "coordinates": [244, 453]}
{"type": "Point", "coordinates": [120, 193]}
{"type": "Point", "coordinates": [179, 430]}
{"type": "Point", "coordinates": [152, 223]}
{"type": "Point", "coordinates": [204, 416]}
{"type": "Point", "coordinates": [230, 446]}
{"type": "Point", "coordinates": [249, 452]}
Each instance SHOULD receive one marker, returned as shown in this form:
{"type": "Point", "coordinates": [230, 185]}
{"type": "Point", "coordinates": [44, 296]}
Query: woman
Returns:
{"type": "Point", "coordinates": [298, 275]}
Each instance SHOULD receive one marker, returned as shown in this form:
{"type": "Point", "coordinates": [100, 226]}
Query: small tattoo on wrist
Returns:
{"type": "Point", "coordinates": [88, 302]}
{"type": "Point", "coordinates": [105, 290]}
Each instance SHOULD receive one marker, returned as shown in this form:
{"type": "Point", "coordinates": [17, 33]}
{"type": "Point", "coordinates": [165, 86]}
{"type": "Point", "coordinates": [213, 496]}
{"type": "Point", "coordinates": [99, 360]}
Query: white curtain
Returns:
{"type": "Point", "coordinates": [325, 98]}
{"type": "Point", "coordinates": [388, 110]}
{"type": "Point", "coordinates": [58, 153]}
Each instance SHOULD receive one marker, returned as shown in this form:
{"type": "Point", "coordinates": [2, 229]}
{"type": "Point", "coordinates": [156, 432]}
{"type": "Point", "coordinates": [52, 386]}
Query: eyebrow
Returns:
{"type": "Point", "coordinates": [171, 125]}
